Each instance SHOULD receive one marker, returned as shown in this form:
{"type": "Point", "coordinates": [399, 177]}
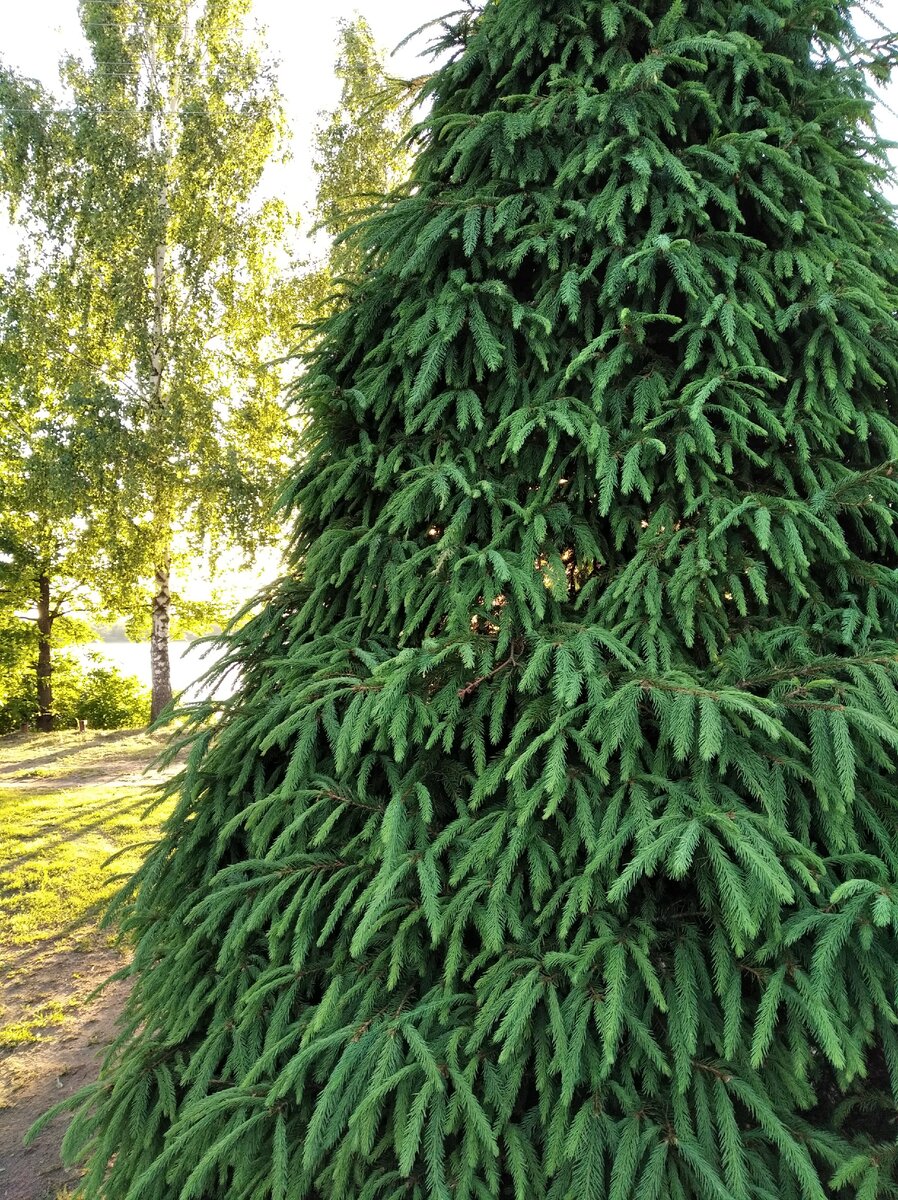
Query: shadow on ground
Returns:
{"type": "Point", "coordinates": [29, 755]}
{"type": "Point", "coordinates": [58, 832]}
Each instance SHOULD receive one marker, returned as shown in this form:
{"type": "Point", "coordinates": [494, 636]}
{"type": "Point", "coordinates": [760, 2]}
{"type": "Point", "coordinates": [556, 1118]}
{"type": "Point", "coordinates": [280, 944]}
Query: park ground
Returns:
{"type": "Point", "coordinates": [68, 802]}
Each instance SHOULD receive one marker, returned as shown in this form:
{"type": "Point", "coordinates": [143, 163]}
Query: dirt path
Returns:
{"type": "Point", "coordinates": [52, 1033]}
{"type": "Point", "coordinates": [40, 1075]}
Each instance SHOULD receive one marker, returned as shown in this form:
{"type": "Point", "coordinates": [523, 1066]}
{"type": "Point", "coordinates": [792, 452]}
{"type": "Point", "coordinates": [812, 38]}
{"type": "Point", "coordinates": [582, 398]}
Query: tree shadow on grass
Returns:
{"type": "Point", "coordinates": [62, 753]}
{"type": "Point", "coordinates": [89, 918]}
{"type": "Point", "coordinates": [72, 829]}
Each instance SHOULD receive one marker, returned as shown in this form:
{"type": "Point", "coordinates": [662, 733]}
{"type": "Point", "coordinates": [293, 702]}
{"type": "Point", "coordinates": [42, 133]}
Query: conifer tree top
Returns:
{"type": "Point", "coordinates": [637, 220]}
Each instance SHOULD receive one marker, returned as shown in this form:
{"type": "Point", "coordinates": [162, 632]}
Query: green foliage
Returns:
{"type": "Point", "coordinates": [148, 308]}
{"type": "Point", "coordinates": [60, 456]}
{"type": "Point", "coordinates": [142, 221]}
{"type": "Point", "coordinates": [359, 155]}
{"type": "Point", "coordinates": [99, 694]}
{"type": "Point", "coordinates": [178, 99]}
{"type": "Point", "coordinates": [549, 847]}
{"type": "Point", "coordinates": [359, 150]}
{"type": "Point", "coordinates": [18, 684]}
{"type": "Point", "coordinates": [58, 467]}
{"type": "Point", "coordinates": [106, 698]}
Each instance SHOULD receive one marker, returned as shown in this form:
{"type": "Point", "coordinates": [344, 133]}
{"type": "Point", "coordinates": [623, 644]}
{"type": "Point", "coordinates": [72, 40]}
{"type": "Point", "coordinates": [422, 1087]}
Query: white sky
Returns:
{"type": "Point", "coordinates": [300, 33]}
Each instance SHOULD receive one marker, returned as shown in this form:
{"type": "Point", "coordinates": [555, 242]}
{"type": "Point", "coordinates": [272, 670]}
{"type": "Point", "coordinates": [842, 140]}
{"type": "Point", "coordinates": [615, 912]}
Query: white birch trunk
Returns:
{"type": "Point", "coordinates": [160, 659]}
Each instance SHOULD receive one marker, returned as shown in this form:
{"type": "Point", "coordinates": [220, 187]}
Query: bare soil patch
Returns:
{"type": "Point", "coordinates": [67, 802]}
{"type": "Point", "coordinates": [38, 1076]}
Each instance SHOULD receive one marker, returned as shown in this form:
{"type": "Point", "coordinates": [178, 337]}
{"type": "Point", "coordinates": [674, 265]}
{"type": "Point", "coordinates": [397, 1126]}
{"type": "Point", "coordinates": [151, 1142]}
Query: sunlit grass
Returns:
{"type": "Point", "coordinates": [25, 1033]}
{"type": "Point", "coordinates": [54, 849]}
{"type": "Point", "coordinates": [58, 832]}
{"type": "Point", "coordinates": [50, 755]}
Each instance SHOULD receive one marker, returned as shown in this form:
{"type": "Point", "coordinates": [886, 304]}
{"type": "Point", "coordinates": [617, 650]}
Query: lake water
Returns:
{"type": "Point", "coordinates": [189, 661]}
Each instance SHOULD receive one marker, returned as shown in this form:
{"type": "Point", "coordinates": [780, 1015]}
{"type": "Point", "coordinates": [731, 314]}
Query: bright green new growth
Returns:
{"type": "Point", "coordinates": [549, 849]}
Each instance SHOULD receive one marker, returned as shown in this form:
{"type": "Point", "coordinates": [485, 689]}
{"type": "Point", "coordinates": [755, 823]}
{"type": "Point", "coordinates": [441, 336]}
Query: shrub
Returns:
{"type": "Point", "coordinates": [106, 698]}
{"type": "Point", "coordinates": [98, 693]}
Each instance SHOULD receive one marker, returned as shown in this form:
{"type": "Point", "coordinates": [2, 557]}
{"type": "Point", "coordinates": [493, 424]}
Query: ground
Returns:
{"type": "Point", "coordinates": [67, 803]}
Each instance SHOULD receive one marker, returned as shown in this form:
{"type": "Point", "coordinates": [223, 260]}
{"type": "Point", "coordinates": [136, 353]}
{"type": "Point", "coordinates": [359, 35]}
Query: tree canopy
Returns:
{"type": "Point", "coordinates": [60, 480]}
{"type": "Point", "coordinates": [152, 275]}
{"type": "Point", "coordinates": [143, 187]}
{"type": "Point", "coordinates": [359, 152]}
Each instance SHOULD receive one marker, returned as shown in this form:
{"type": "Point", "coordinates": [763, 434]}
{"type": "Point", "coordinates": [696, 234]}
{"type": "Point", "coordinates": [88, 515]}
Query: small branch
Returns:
{"type": "Point", "coordinates": [466, 691]}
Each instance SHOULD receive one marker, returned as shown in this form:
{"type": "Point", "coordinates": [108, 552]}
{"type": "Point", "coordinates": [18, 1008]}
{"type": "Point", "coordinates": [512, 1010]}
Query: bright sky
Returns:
{"type": "Point", "coordinates": [301, 35]}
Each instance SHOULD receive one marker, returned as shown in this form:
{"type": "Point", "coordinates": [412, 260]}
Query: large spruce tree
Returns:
{"type": "Point", "coordinates": [550, 848]}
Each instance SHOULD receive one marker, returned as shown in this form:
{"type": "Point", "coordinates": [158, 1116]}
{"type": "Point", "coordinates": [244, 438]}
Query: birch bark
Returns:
{"type": "Point", "coordinates": [160, 660]}
{"type": "Point", "coordinates": [44, 659]}
{"type": "Point", "coordinates": [160, 656]}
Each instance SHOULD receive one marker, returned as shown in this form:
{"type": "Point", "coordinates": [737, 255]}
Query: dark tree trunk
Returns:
{"type": "Point", "coordinates": [160, 664]}
{"type": "Point", "coordinates": [44, 657]}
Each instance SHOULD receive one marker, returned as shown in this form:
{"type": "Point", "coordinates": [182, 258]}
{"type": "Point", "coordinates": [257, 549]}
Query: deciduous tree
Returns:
{"type": "Point", "coordinates": [360, 149]}
{"type": "Point", "coordinates": [146, 182]}
{"type": "Point", "coordinates": [60, 482]}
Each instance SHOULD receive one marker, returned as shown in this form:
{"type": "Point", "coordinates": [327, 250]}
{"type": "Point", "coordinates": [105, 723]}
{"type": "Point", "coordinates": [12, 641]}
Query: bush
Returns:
{"type": "Point", "coordinates": [106, 698]}
{"type": "Point", "coordinates": [99, 694]}
{"type": "Point", "coordinates": [18, 686]}
{"type": "Point", "coordinates": [18, 706]}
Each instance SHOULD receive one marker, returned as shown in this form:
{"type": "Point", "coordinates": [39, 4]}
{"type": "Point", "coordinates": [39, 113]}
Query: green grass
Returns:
{"type": "Point", "coordinates": [67, 805]}
{"type": "Point", "coordinates": [25, 1032]}
{"type": "Point", "coordinates": [54, 848]}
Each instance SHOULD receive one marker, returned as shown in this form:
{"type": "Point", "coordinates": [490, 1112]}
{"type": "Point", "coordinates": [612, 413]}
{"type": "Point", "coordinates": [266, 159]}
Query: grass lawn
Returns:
{"type": "Point", "coordinates": [68, 802]}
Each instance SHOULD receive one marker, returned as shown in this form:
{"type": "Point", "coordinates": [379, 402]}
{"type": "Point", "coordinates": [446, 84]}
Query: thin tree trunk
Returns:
{"type": "Point", "coordinates": [160, 662]}
{"type": "Point", "coordinates": [44, 657]}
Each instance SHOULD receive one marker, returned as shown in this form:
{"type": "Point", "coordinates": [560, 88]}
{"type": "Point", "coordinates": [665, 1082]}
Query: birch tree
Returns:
{"type": "Point", "coordinates": [141, 192]}
{"type": "Point", "coordinates": [146, 179]}
{"type": "Point", "coordinates": [360, 151]}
